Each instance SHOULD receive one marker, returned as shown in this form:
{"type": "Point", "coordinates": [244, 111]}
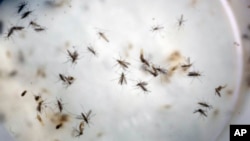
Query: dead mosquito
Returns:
{"type": "Point", "coordinates": [37, 97]}
{"type": "Point", "coordinates": [74, 56]}
{"type": "Point", "coordinates": [194, 74]}
{"type": "Point", "coordinates": [160, 70]}
{"type": "Point", "coordinates": [92, 50]}
{"type": "Point", "coordinates": [218, 89]}
{"type": "Point", "coordinates": [59, 125]}
{"type": "Point", "coordinates": [205, 105]}
{"type": "Point", "coordinates": [59, 105]}
{"type": "Point", "coordinates": [201, 112]}
{"type": "Point", "coordinates": [21, 6]}
{"type": "Point", "coordinates": [26, 14]}
{"type": "Point", "coordinates": [124, 65]}
{"type": "Point", "coordinates": [34, 24]}
{"type": "Point", "coordinates": [143, 60]}
{"type": "Point", "coordinates": [181, 21]}
{"type": "Point", "coordinates": [39, 29]}
{"type": "Point", "coordinates": [157, 28]}
{"type": "Point", "coordinates": [187, 65]}
{"type": "Point", "coordinates": [85, 116]}
{"type": "Point", "coordinates": [23, 93]}
{"type": "Point", "coordinates": [103, 36]}
{"type": "Point", "coordinates": [122, 79]}
{"type": "Point", "coordinates": [68, 80]}
{"type": "Point", "coordinates": [14, 28]}
{"type": "Point", "coordinates": [80, 129]}
{"type": "Point", "coordinates": [154, 72]}
{"type": "Point", "coordinates": [142, 85]}
{"type": "Point", "coordinates": [39, 106]}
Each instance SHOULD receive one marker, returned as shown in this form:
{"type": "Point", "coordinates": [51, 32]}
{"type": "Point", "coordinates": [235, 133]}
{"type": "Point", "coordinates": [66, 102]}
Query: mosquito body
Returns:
{"type": "Point", "coordinates": [201, 112]}
{"type": "Point", "coordinates": [103, 36]}
{"type": "Point", "coordinates": [92, 50]}
{"type": "Point", "coordinates": [85, 117]}
{"type": "Point", "coordinates": [26, 14]}
{"type": "Point", "coordinates": [23, 93]}
{"type": "Point", "coordinates": [124, 65]}
{"type": "Point", "coordinates": [143, 60]}
{"type": "Point", "coordinates": [218, 90]}
{"type": "Point", "coordinates": [142, 85]}
{"type": "Point", "coordinates": [74, 56]}
{"type": "Point", "coordinates": [122, 79]}
{"type": "Point", "coordinates": [181, 21]}
{"type": "Point", "coordinates": [21, 6]}
{"type": "Point", "coordinates": [14, 28]}
{"type": "Point", "coordinates": [187, 65]}
{"type": "Point", "coordinates": [205, 105]}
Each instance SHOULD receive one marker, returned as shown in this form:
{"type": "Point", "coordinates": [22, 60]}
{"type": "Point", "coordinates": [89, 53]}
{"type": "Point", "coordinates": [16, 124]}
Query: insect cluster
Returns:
{"type": "Point", "coordinates": [62, 118]}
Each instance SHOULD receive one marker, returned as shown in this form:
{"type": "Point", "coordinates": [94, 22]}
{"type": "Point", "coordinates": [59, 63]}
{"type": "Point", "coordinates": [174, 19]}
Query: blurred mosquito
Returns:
{"type": "Point", "coordinates": [181, 21]}
{"type": "Point", "coordinates": [103, 36]}
{"type": "Point", "coordinates": [156, 28]}
{"type": "Point", "coordinates": [23, 93]}
{"type": "Point", "coordinates": [85, 116]}
{"type": "Point", "coordinates": [205, 105]}
{"type": "Point", "coordinates": [186, 65]}
{"type": "Point", "coordinates": [142, 85]}
{"type": "Point", "coordinates": [73, 56]}
{"type": "Point", "coordinates": [80, 129]}
{"type": "Point", "coordinates": [26, 14]}
{"type": "Point", "coordinates": [201, 112]}
{"type": "Point", "coordinates": [21, 6]}
{"type": "Point", "coordinates": [122, 79]}
{"type": "Point", "coordinates": [123, 63]}
{"type": "Point", "coordinates": [68, 80]}
{"type": "Point", "coordinates": [160, 70]}
{"type": "Point", "coordinates": [14, 28]}
{"type": "Point", "coordinates": [59, 105]}
{"type": "Point", "coordinates": [92, 50]}
{"type": "Point", "coordinates": [143, 60]}
{"type": "Point", "coordinates": [218, 90]}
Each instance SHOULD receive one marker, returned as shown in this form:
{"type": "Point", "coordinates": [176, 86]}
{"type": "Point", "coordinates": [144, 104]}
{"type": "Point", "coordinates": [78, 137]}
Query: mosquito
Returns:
{"type": "Point", "coordinates": [181, 21]}
{"type": "Point", "coordinates": [218, 89]}
{"type": "Point", "coordinates": [26, 14]}
{"type": "Point", "coordinates": [21, 6]}
{"type": "Point", "coordinates": [124, 65]}
{"type": "Point", "coordinates": [85, 117]}
{"type": "Point", "coordinates": [80, 129]}
{"type": "Point", "coordinates": [39, 106]}
{"type": "Point", "coordinates": [34, 24]}
{"type": "Point", "coordinates": [92, 50]}
{"type": "Point", "coordinates": [122, 79]}
{"type": "Point", "coordinates": [143, 60]}
{"type": "Point", "coordinates": [187, 65]}
{"type": "Point", "coordinates": [205, 105]}
{"type": "Point", "coordinates": [154, 72]}
{"type": "Point", "coordinates": [39, 29]}
{"type": "Point", "coordinates": [103, 36]}
{"type": "Point", "coordinates": [37, 97]}
{"type": "Point", "coordinates": [73, 56]}
{"type": "Point", "coordinates": [159, 69]}
{"type": "Point", "coordinates": [201, 112]}
{"type": "Point", "coordinates": [60, 105]}
{"type": "Point", "coordinates": [14, 28]}
{"type": "Point", "coordinates": [59, 125]}
{"type": "Point", "coordinates": [194, 74]}
{"type": "Point", "coordinates": [23, 93]}
{"type": "Point", "coordinates": [143, 85]}
{"type": "Point", "coordinates": [157, 28]}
